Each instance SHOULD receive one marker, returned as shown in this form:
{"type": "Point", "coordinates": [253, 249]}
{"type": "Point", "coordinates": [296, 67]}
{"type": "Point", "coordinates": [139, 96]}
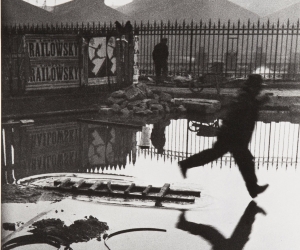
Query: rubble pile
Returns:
{"type": "Point", "coordinates": [138, 99]}
{"type": "Point", "coordinates": [80, 231]}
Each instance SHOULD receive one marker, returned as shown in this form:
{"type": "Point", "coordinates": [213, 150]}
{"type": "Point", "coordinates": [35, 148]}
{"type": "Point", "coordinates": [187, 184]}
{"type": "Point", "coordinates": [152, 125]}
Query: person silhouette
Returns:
{"type": "Point", "coordinates": [235, 134]}
{"type": "Point", "coordinates": [239, 237]}
{"type": "Point", "coordinates": [158, 137]}
{"type": "Point", "coordinates": [160, 57]}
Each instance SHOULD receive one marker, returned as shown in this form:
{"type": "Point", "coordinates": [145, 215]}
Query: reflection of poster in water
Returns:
{"type": "Point", "coordinates": [102, 58]}
{"type": "Point", "coordinates": [109, 146]}
{"type": "Point", "coordinates": [50, 148]}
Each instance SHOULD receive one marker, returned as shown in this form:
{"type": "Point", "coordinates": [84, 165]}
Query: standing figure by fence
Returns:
{"type": "Point", "coordinates": [158, 137]}
{"type": "Point", "coordinates": [235, 134]}
{"type": "Point", "coordinates": [160, 57]}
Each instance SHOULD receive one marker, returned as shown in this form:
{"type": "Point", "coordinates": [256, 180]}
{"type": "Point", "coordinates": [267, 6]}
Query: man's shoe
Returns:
{"type": "Point", "coordinates": [260, 210]}
{"type": "Point", "coordinates": [182, 169]}
{"type": "Point", "coordinates": [255, 208]}
{"type": "Point", "coordinates": [181, 221]}
{"type": "Point", "coordinates": [258, 190]}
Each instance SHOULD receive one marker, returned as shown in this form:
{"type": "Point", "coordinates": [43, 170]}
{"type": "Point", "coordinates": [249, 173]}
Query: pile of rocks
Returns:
{"type": "Point", "coordinates": [138, 99]}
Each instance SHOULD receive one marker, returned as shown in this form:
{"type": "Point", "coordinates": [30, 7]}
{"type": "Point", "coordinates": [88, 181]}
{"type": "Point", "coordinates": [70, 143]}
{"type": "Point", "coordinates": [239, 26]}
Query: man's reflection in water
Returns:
{"type": "Point", "coordinates": [158, 137]}
{"type": "Point", "coordinates": [238, 239]}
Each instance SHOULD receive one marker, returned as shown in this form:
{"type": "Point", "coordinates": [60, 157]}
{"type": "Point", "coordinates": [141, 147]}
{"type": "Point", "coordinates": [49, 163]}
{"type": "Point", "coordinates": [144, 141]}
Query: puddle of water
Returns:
{"type": "Point", "coordinates": [152, 156]}
{"type": "Point", "coordinates": [149, 152]}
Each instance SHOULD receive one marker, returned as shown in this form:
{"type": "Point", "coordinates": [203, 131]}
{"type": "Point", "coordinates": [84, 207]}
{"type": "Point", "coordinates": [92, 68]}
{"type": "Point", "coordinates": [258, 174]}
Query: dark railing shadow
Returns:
{"type": "Point", "coordinates": [239, 237]}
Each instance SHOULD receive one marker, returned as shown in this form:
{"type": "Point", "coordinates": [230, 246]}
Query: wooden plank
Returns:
{"type": "Point", "coordinates": [95, 185]}
{"type": "Point", "coordinates": [153, 197]}
{"type": "Point", "coordinates": [109, 187]}
{"type": "Point", "coordinates": [161, 194]}
{"type": "Point", "coordinates": [170, 198]}
{"type": "Point", "coordinates": [127, 191]}
{"type": "Point", "coordinates": [78, 184]}
{"type": "Point", "coordinates": [59, 181]}
{"type": "Point", "coordinates": [64, 182]}
{"type": "Point", "coordinates": [164, 190]}
{"type": "Point", "coordinates": [185, 192]}
{"type": "Point", "coordinates": [146, 190]}
{"type": "Point", "coordinates": [171, 191]}
{"type": "Point", "coordinates": [149, 197]}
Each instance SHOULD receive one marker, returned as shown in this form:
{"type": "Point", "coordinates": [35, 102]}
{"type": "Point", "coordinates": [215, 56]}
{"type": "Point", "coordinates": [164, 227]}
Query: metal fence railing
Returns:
{"type": "Point", "coordinates": [269, 49]}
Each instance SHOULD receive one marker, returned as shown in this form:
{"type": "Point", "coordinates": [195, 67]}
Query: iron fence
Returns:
{"type": "Point", "coordinates": [238, 48]}
{"type": "Point", "coordinates": [271, 49]}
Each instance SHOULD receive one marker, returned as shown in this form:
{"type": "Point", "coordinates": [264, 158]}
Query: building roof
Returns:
{"type": "Point", "coordinates": [156, 10]}
{"type": "Point", "coordinates": [20, 12]}
{"type": "Point", "coordinates": [87, 11]}
{"type": "Point", "coordinates": [291, 12]}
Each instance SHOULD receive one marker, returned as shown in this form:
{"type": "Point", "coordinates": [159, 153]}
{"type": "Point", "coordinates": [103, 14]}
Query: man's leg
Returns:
{"type": "Point", "coordinates": [158, 71]}
{"type": "Point", "coordinates": [208, 232]}
{"type": "Point", "coordinates": [165, 69]}
{"type": "Point", "coordinates": [203, 157]}
{"type": "Point", "coordinates": [245, 161]}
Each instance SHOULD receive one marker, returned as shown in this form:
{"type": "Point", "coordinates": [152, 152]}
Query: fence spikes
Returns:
{"type": "Point", "coordinates": [208, 41]}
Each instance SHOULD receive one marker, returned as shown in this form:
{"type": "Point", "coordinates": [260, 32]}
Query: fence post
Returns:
{"type": "Point", "coordinates": [136, 61]}
{"type": "Point", "coordinates": [297, 57]}
{"type": "Point", "coordinates": [227, 47]}
{"type": "Point", "coordinates": [275, 59]}
{"type": "Point", "coordinates": [191, 46]}
{"type": "Point", "coordinates": [290, 66]}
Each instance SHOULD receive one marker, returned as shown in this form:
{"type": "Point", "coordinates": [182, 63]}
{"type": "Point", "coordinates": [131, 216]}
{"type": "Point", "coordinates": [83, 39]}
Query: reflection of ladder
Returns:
{"type": "Point", "coordinates": [123, 190]}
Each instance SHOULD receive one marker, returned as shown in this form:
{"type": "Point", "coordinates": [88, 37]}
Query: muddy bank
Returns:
{"type": "Point", "coordinates": [25, 194]}
{"type": "Point", "coordinates": [54, 232]}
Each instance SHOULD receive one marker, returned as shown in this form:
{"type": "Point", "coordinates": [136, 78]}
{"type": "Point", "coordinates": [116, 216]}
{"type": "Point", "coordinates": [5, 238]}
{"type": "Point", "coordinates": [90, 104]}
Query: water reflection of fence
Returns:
{"type": "Point", "coordinates": [272, 144]}
{"type": "Point", "coordinates": [74, 147]}
{"type": "Point", "coordinates": [68, 147]}
{"type": "Point", "coordinates": [10, 139]}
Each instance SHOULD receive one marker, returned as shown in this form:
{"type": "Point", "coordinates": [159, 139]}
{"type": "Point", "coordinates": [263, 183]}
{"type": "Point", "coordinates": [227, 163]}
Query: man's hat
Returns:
{"type": "Point", "coordinates": [255, 80]}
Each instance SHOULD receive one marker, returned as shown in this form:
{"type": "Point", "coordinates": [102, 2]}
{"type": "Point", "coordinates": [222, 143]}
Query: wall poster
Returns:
{"type": "Point", "coordinates": [101, 60]}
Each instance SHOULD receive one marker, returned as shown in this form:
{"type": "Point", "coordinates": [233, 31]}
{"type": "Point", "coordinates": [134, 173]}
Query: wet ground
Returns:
{"type": "Point", "coordinates": [224, 217]}
{"type": "Point", "coordinates": [34, 106]}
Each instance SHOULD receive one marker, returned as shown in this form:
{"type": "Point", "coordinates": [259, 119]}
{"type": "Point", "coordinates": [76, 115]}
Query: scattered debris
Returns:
{"type": "Point", "coordinates": [9, 226]}
{"type": "Point", "coordinates": [80, 231]}
{"type": "Point", "coordinates": [138, 99]}
{"type": "Point", "coordinates": [12, 226]}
